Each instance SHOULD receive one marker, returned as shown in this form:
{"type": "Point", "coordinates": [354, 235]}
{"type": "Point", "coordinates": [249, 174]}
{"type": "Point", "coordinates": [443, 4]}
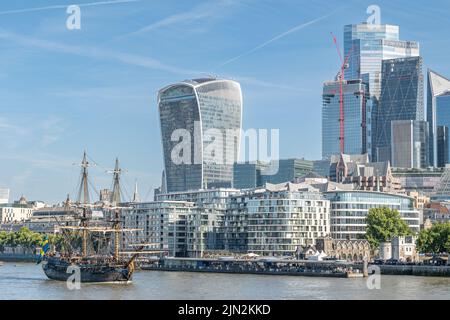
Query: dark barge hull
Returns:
{"type": "Point", "coordinates": [57, 270]}
{"type": "Point", "coordinates": [280, 273]}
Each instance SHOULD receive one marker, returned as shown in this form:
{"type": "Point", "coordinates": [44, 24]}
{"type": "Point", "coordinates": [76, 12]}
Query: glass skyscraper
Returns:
{"type": "Point", "coordinates": [356, 118]}
{"type": "Point", "coordinates": [438, 113]}
{"type": "Point", "coordinates": [371, 44]}
{"type": "Point", "coordinates": [409, 144]}
{"type": "Point", "coordinates": [401, 99]}
{"type": "Point", "coordinates": [209, 112]}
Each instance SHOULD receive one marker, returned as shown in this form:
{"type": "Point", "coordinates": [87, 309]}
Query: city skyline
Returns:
{"type": "Point", "coordinates": [95, 88]}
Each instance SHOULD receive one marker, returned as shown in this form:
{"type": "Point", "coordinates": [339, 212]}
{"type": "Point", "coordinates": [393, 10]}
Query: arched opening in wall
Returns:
{"type": "Point", "coordinates": [361, 257]}
{"type": "Point", "coordinates": [355, 257]}
{"type": "Point", "coordinates": [344, 257]}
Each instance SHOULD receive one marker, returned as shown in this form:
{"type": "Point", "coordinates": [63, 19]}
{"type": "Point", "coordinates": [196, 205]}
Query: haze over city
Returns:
{"type": "Point", "coordinates": [64, 91]}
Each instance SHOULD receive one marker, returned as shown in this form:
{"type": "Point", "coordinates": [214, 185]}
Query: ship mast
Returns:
{"type": "Point", "coordinates": [115, 201]}
{"type": "Point", "coordinates": [84, 199]}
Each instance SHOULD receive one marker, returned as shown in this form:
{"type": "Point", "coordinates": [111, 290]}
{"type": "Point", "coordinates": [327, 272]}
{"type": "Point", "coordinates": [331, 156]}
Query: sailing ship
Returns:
{"type": "Point", "coordinates": [90, 264]}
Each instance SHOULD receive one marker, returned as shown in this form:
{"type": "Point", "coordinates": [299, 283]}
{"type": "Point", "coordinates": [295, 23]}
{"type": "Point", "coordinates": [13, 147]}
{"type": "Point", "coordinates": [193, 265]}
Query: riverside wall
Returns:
{"type": "Point", "coordinates": [426, 271]}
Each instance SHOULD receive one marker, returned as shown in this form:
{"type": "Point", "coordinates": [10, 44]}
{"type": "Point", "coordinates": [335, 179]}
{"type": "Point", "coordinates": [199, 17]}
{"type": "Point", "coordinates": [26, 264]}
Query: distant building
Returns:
{"type": "Point", "coordinates": [401, 99]}
{"type": "Point", "coordinates": [248, 175]}
{"type": "Point", "coordinates": [50, 220]}
{"type": "Point", "coordinates": [422, 180]}
{"type": "Point", "coordinates": [209, 114]}
{"type": "Point", "coordinates": [438, 117]}
{"type": "Point", "coordinates": [4, 196]}
{"type": "Point", "coordinates": [252, 175]}
{"type": "Point", "coordinates": [437, 212]}
{"type": "Point", "coordinates": [17, 212]}
{"type": "Point", "coordinates": [409, 144]}
{"type": "Point", "coordinates": [349, 210]}
{"type": "Point", "coordinates": [362, 174]}
{"type": "Point", "coordinates": [356, 114]}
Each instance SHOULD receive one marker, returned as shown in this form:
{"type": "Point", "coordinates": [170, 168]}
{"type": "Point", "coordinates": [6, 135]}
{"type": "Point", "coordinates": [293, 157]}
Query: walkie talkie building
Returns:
{"type": "Point", "coordinates": [201, 124]}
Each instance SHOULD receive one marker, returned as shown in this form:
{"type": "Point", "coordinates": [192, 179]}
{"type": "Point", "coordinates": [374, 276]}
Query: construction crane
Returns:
{"type": "Point", "coordinates": [341, 79]}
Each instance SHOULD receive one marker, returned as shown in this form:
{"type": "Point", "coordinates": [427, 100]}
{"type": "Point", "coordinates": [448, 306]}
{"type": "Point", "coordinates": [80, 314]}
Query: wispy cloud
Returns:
{"type": "Point", "coordinates": [101, 54]}
{"type": "Point", "coordinates": [203, 11]}
{"type": "Point", "coordinates": [278, 37]}
{"type": "Point", "coordinates": [64, 6]}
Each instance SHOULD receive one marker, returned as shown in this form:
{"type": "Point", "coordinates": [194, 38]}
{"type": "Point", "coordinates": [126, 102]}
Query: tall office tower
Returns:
{"type": "Point", "coordinates": [369, 45]}
{"type": "Point", "coordinates": [200, 122]}
{"type": "Point", "coordinates": [409, 144]}
{"type": "Point", "coordinates": [356, 118]}
{"type": "Point", "coordinates": [438, 111]}
{"type": "Point", "coordinates": [401, 99]}
{"type": "Point", "coordinates": [442, 146]}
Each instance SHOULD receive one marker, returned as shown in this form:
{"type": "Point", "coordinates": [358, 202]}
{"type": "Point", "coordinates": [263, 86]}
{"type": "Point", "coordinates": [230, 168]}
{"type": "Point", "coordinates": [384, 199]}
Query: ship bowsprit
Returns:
{"type": "Point", "coordinates": [61, 270]}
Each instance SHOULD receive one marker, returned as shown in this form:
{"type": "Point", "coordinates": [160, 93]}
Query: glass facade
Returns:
{"type": "Point", "coordinates": [443, 122]}
{"type": "Point", "coordinates": [409, 144]}
{"type": "Point", "coordinates": [369, 46]}
{"type": "Point", "coordinates": [442, 146]}
{"type": "Point", "coordinates": [288, 171]}
{"type": "Point", "coordinates": [438, 104]}
{"type": "Point", "coordinates": [357, 115]}
{"type": "Point", "coordinates": [401, 99]}
{"type": "Point", "coordinates": [251, 175]}
{"type": "Point", "coordinates": [349, 210]}
{"type": "Point", "coordinates": [210, 111]}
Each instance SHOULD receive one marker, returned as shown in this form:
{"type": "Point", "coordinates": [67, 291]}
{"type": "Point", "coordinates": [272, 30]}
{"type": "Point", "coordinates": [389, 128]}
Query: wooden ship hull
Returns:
{"type": "Point", "coordinates": [57, 269]}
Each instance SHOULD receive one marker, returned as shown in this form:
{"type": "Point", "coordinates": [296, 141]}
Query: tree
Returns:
{"type": "Point", "coordinates": [435, 240]}
{"type": "Point", "coordinates": [383, 224]}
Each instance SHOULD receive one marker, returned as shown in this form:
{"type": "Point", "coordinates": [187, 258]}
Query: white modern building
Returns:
{"type": "Point", "coordinates": [349, 210]}
{"type": "Point", "coordinates": [277, 220]}
{"type": "Point", "coordinates": [16, 212]}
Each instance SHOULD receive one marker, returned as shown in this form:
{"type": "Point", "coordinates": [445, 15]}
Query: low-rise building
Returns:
{"type": "Point", "coordinates": [16, 212]}
{"type": "Point", "coordinates": [350, 250]}
{"type": "Point", "coordinates": [399, 248]}
{"type": "Point", "coordinates": [437, 212]}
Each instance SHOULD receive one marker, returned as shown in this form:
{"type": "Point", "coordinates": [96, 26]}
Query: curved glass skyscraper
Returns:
{"type": "Point", "coordinates": [201, 124]}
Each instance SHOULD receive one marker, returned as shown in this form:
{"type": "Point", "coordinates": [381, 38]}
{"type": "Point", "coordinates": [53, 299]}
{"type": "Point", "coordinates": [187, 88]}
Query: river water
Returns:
{"type": "Point", "coordinates": [27, 281]}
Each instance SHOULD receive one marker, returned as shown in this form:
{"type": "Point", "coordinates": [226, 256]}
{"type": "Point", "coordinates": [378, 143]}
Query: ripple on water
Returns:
{"type": "Point", "coordinates": [27, 281]}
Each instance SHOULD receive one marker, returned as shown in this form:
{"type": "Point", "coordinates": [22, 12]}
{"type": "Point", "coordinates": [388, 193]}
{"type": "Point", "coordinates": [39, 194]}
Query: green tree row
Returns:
{"type": "Point", "coordinates": [30, 240]}
{"type": "Point", "coordinates": [435, 240]}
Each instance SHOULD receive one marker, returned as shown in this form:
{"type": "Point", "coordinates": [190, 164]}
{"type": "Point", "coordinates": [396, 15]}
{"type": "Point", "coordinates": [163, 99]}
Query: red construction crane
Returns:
{"type": "Point", "coordinates": [341, 78]}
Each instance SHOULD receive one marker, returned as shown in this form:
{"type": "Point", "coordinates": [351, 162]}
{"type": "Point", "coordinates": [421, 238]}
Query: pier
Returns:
{"type": "Point", "coordinates": [335, 269]}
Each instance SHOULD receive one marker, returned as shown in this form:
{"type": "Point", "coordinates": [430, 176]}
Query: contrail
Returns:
{"type": "Point", "coordinates": [284, 34]}
{"type": "Point", "coordinates": [62, 6]}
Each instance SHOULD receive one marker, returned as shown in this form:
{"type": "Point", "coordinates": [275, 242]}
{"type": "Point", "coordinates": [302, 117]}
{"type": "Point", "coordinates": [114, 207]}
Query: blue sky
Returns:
{"type": "Point", "coordinates": [65, 91]}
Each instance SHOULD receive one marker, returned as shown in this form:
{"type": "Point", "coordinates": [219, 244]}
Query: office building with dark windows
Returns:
{"type": "Point", "coordinates": [401, 99]}
{"type": "Point", "coordinates": [438, 117]}
{"type": "Point", "coordinates": [357, 115]}
{"type": "Point", "coordinates": [253, 175]}
{"type": "Point", "coordinates": [201, 124]}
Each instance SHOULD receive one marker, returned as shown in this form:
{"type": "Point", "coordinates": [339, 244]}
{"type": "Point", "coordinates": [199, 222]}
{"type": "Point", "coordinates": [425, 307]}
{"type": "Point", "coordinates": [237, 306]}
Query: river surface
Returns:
{"type": "Point", "coordinates": [27, 281]}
